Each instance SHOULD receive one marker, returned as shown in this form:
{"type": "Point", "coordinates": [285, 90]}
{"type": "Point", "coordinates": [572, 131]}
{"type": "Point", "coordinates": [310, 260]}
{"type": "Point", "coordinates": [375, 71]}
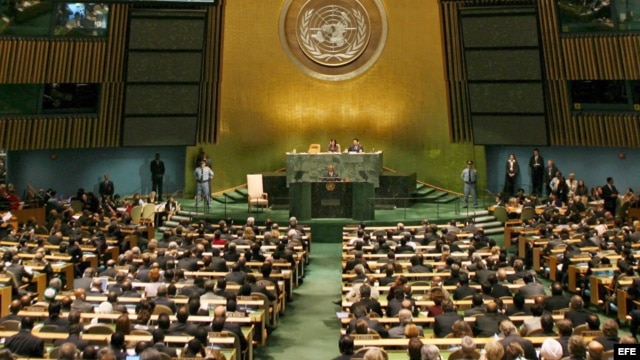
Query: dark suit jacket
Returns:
{"type": "Point", "coordinates": [564, 341]}
{"type": "Point", "coordinates": [182, 328]}
{"type": "Point", "coordinates": [529, 350]}
{"type": "Point", "coordinates": [483, 275]}
{"type": "Point", "coordinates": [19, 271]}
{"type": "Point", "coordinates": [188, 264]}
{"type": "Point", "coordinates": [548, 175]}
{"type": "Point", "coordinates": [463, 291]}
{"type": "Point", "coordinates": [166, 349]}
{"type": "Point", "coordinates": [218, 264]}
{"type": "Point", "coordinates": [556, 302]}
{"type": "Point", "coordinates": [236, 277]}
{"type": "Point", "coordinates": [157, 170]}
{"type": "Point", "coordinates": [161, 300]}
{"type": "Point", "coordinates": [110, 272]}
{"type": "Point", "coordinates": [106, 189]}
{"type": "Point", "coordinates": [369, 304]}
{"type": "Point", "coordinates": [488, 325]}
{"type": "Point", "coordinates": [61, 323]}
{"type": "Point", "coordinates": [531, 290]}
{"type": "Point", "coordinates": [385, 281]}
{"type": "Point", "coordinates": [577, 317]}
{"type": "Point", "coordinates": [443, 323]}
{"type": "Point", "coordinates": [25, 344]}
{"type": "Point", "coordinates": [499, 290]}
{"type": "Point", "coordinates": [235, 328]}
{"type": "Point", "coordinates": [607, 196]}
{"type": "Point", "coordinates": [74, 339]}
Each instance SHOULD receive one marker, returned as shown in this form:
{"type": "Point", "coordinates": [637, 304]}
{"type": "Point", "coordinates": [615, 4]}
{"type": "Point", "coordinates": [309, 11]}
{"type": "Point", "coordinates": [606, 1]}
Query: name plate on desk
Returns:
{"type": "Point", "coordinates": [361, 167]}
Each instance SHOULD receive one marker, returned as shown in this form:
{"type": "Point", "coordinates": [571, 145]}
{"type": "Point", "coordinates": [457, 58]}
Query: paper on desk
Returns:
{"type": "Point", "coordinates": [6, 217]}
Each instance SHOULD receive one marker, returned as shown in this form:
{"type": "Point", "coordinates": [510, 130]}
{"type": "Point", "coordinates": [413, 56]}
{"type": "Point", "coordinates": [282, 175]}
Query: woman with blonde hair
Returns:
{"type": "Point", "coordinates": [375, 354]}
{"type": "Point", "coordinates": [493, 350]}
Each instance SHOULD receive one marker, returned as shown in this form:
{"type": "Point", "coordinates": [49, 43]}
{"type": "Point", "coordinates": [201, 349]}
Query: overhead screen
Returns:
{"type": "Point", "coordinates": [504, 72]}
{"type": "Point", "coordinates": [163, 73]}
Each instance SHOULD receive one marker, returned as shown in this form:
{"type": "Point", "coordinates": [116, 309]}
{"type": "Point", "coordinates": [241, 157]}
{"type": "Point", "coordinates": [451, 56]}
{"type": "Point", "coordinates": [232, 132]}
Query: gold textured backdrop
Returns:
{"type": "Point", "coordinates": [267, 106]}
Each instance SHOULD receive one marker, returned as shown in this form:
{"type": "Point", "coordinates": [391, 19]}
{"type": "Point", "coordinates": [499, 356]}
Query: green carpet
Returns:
{"type": "Point", "coordinates": [310, 328]}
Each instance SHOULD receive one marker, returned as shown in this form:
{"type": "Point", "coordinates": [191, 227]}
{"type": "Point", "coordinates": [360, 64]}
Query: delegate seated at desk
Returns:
{"type": "Point", "coordinates": [356, 147]}
{"type": "Point", "coordinates": [331, 175]}
{"type": "Point", "coordinates": [333, 146]}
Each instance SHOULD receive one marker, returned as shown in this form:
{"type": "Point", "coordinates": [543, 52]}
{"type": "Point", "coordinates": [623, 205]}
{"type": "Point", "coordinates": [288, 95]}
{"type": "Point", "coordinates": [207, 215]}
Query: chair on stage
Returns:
{"type": "Point", "coordinates": [148, 214]}
{"type": "Point", "coordinates": [314, 149]}
{"type": "Point", "coordinates": [255, 193]}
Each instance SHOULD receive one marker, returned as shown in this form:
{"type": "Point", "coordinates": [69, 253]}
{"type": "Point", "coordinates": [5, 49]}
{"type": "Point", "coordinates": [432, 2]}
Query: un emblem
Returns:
{"type": "Point", "coordinates": [333, 39]}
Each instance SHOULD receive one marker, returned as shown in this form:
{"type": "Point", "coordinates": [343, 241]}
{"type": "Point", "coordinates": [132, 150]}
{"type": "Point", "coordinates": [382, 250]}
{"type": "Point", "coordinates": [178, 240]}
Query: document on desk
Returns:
{"type": "Point", "coordinates": [7, 217]}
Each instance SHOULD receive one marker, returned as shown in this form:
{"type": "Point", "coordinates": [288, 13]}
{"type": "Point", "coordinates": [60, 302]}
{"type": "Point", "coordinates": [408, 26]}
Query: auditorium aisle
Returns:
{"type": "Point", "coordinates": [310, 329]}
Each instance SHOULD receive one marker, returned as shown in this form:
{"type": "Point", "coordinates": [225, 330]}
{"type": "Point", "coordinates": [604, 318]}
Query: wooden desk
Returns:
{"type": "Point", "coordinates": [402, 343]}
{"type": "Point", "coordinates": [5, 300]}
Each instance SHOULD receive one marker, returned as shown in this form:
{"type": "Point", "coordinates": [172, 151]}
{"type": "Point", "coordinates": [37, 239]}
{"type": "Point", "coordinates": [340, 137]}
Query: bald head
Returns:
{"type": "Point", "coordinates": [220, 311]}
{"type": "Point", "coordinates": [595, 349]}
{"type": "Point", "coordinates": [15, 307]}
{"type": "Point", "coordinates": [80, 293]}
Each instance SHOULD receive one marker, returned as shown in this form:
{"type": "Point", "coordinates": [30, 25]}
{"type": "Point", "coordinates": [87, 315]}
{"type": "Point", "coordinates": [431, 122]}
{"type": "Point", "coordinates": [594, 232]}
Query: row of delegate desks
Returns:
{"type": "Point", "coordinates": [171, 339]}
{"type": "Point", "coordinates": [257, 317]}
{"type": "Point", "coordinates": [480, 341]}
{"type": "Point", "coordinates": [428, 320]}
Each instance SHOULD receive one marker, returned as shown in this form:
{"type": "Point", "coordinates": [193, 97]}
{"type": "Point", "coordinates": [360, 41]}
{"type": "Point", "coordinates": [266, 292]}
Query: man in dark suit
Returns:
{"type": "Point", "coordinates": [610, 196]}
{"type": "Point", "coordinates": [110, 271]}
{"type": "Point", "coordinates": [23, 343]}
{"type": "Point", "coordinates": [188, 262]}
{"type": "Point", "coordinates": [536, 164]}
{"type": "Point", "coordinates": [464, 290]}
{"type": "Point", "coordinates": [80, 302]}
{"type": "Point", "coordinates": [498, 290]}
{"type": "Point", "coordinates": [331, 174]}
{"type": "Point", "coordinates": [388, 279]}
{"type": "Point", "coordinates": [610, 334]}
{"type": "Point", "coordinates": [477, 305]}
{"type": "Point", "coordinates": [418, 266]}
{"type": "Point", "coordinates": [258, 288]}
{"type": "Point", "coordinates": [549, 173]}
{"type": "Point", "coordinates": [557, 300]}
{"type": "Point", "coordinates": [520, 272]}
{"type": "Point", "coordinates": [220, 315]}
{"type": "Point", "coordinates": [511, 335]}
{"type": "Point", "coordinates": [106, 187]}
{"type": "Point", "coordinates": [85, 281]}
{"type": "Point", "coordinates": [442, 324]}
{"type": "Point", "coordinates": [489, 324]}
{"type": "Point", "coordinates": [157, 174]}
{"type": "Point", "coordinates": [236, 275]}
{"type": "Point", "coordinates": [356, 147]}
{"type": "Point", "coordinates": [181, 326]}
{"type": "Point", "coordinates": [578, 314]}
{"type": "Point", "coordinates": [14, 309]}
{"type": "Point", "coordinates": [162, 298]}
{"type": "Point", "coordinates": [18, 270]}
{"type": "Point", "coordinates": [74, 337]}
{"type": "Point", "coordinates": [482, 273]}
{"type": "Point", "coordinates": [366, 301]}
{"type": "Point", "coordinates": [565, 330]}
{"type": "Point", "coordinates": [360, 313]}
{"type": "Point", "coordinates": [218, 264]}
{"type": "Point", "coordinates": [531, 288]}
{"type": "Point", "coordinates": [158, 343]}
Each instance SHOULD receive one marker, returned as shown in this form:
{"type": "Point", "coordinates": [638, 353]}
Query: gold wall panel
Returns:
{"type": "Point", "coordinates": [268, 106]}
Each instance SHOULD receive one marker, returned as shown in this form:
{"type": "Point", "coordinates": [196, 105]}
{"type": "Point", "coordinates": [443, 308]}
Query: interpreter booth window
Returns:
{"type": "Point", "coordinates": [599, 95]}
{"type": "Point", "coordinates": [587, 15]}
{"type": "Point", "coordinates": [70, 98]}
{"type": "Point", "coordinates": [81, 19]}
{"type": "Point", "coordinates": [27, 18]}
